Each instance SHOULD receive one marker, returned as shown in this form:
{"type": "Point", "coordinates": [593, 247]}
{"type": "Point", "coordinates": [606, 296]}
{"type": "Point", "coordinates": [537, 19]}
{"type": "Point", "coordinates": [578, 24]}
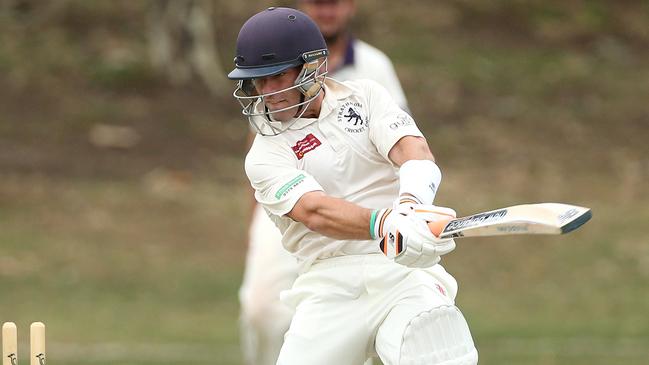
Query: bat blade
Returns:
{"type": "Point", "coordinates": [540, 218]}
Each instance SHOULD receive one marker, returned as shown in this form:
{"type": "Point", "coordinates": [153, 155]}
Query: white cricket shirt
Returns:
{"type": "Point", "coordinates": [344, 153]}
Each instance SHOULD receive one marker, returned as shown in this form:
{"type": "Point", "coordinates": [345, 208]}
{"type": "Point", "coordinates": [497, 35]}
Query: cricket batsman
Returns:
{"type": "Point", "coordinates": [340, 169]}
{"type": "Point", "coordinates": [269, 268]}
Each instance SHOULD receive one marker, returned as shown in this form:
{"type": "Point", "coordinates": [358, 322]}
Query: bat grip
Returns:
{"type": "Point", "coordinates": [437, 227]}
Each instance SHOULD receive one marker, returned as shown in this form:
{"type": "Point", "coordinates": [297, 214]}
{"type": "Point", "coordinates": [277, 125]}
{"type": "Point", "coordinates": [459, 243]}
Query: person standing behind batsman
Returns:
{"type": "Point", "coordinates": [269, 268]}
{"type": "Point", "coordinates": [339, 167]}
{"type": "Point", "coordinates": [351, 58]}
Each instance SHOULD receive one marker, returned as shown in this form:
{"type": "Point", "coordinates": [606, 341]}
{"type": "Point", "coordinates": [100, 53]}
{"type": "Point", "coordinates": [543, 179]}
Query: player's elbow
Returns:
{"type": "Point", "coordinates": [410, 148]}
{"type": "Point", "coordinates": [307, 210]}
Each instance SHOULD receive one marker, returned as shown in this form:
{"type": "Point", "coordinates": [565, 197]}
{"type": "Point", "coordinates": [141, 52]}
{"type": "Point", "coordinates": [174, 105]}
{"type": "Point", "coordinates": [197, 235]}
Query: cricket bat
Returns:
{"type": "Point", "coordinates": [540, 218]}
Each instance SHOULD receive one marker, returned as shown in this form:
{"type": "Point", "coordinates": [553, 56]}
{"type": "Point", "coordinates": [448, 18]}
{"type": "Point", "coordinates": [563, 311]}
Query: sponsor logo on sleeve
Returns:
{"type": "Point", "coordinates": [352, 116]}
{"type": "Point", "coordinates": [305, 145]}
{"type": "Point", "coordinates": [289, 186]}
{"type": "Point", "coordinates": [403, 120]}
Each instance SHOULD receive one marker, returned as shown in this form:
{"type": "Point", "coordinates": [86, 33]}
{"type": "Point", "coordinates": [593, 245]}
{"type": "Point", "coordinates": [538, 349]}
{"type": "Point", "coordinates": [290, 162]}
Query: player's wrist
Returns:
{"type": "Point", "coordinates": [418, 182]}
{"type": "Point", "coordinates": [373, 223]}
{"type": "Point", "coordinates": [378, 219]}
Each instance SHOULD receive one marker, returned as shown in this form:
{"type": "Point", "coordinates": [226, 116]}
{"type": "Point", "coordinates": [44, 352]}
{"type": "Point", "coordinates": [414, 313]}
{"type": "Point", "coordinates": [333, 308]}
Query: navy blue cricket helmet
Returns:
{"type": "Point", "coordinates": [275, 40]}
{"type": "Point", "coordinates": [269, 43]}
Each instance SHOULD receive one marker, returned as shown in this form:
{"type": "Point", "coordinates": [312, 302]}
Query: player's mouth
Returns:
{"type": "Point", "coordinates": [275, 104]}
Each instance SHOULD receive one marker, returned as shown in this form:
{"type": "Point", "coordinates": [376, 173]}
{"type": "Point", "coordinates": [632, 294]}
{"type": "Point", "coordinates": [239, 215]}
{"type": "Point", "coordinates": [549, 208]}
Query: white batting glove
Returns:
{"type": "Point", "coordinates": [407, 240]}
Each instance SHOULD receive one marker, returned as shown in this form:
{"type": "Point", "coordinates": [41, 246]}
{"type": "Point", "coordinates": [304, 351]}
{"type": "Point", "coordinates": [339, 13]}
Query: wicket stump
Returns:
{"type": "Point", "coordinates": [10, 344]}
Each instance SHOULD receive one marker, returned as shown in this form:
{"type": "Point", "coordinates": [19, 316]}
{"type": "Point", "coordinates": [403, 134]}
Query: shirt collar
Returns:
{"type": "Point", "coordinates": [334, 91]}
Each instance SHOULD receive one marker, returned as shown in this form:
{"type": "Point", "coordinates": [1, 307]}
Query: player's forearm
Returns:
{"type": "Point", "coordinates": [419, 176]}
{"type": "Point", "coordinates": [332, 217]}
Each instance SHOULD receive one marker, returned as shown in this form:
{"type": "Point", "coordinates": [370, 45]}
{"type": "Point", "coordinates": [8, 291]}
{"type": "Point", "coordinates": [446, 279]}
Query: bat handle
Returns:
{"type": "Point", "coordinates": [437, 227]}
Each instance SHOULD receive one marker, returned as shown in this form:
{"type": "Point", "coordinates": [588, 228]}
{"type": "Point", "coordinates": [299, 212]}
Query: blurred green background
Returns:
{"type": "Point", "coordinates": [122, 192]}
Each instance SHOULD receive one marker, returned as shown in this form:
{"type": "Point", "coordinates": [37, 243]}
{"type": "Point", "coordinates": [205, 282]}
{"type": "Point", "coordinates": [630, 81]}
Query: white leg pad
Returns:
{"type": "Point", "coordinates": [440, 336]}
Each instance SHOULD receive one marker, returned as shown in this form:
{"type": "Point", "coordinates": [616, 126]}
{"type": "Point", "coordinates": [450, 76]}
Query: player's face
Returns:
{"type": "Point", "coordinates": [331, 16]}
{"type": "Point", "coordinates": [281, 100]}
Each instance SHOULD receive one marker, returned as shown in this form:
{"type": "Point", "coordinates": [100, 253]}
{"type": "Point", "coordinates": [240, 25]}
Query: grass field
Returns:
{"type": "Point", "coordinates": [123, 273]}
{"type": "Point", "coordinates": [134, 256]}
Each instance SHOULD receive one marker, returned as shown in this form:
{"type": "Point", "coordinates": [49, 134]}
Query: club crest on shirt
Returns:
{"type": "Point", "coordinates": [352, 116]}
{"type": "Point", "coordinates": [307, 144]}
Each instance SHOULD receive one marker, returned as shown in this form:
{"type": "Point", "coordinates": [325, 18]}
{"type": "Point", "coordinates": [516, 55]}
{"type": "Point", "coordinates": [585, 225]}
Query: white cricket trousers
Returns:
{"type": "Point", "coordinates": [270, 269]}
{"type": "Point", "coordinates": [349, 308]}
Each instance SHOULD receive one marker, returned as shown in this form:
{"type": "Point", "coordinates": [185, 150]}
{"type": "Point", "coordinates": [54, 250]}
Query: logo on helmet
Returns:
{"type": "Point", "coordinates": [352, 115]}
{"type": "Point", "coordinates": [314, 55]}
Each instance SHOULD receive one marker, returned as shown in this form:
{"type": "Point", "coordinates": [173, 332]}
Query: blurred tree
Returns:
{"type": "Point", "coordinates": [182, 42]}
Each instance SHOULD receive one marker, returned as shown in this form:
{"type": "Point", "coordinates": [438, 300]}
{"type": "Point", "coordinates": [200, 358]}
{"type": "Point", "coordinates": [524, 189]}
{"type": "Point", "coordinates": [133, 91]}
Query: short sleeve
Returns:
{"type": "Point", "coordinates": [277, 181]}
{"type": "Point", "coordinates": [388, 122]}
